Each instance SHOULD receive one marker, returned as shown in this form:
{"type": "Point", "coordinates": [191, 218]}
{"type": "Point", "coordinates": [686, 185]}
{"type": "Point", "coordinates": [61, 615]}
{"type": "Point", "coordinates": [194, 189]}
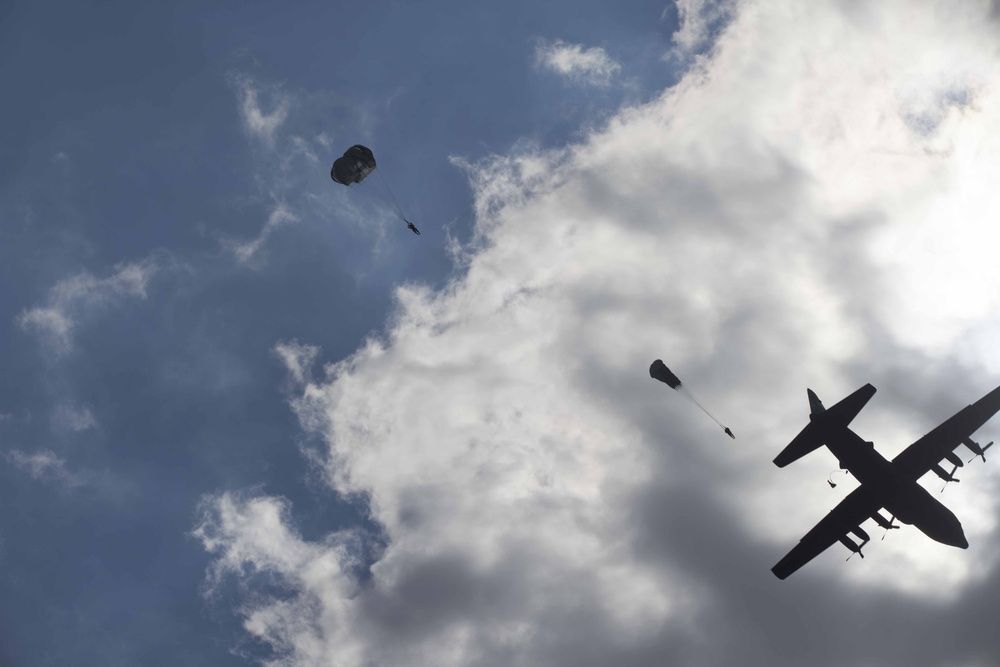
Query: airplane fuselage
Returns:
{"type": "Point", "coordinates": [903, 498]}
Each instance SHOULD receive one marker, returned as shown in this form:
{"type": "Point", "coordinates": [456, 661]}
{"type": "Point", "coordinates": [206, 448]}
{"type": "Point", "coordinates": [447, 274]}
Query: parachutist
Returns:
{"type": "Point", "coordinates": [659, 371]}
{"type": "Point", "coordinates": [354, 166]}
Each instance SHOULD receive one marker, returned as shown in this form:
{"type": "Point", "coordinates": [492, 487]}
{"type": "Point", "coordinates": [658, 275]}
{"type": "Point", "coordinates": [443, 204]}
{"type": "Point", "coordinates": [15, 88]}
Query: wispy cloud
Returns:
{"type": "Point", "coordinates": [74, 298]}
{"type": "Point", "coordinates": [302, 147]}
{"type": "Point", "coordinates": [298, 359]}
{"type": "Point", "coordinates": [69, 417]}
{"type": "Point", "coordinates": [699, 20]}
{"type": "Point", "coordinates": [577, 63]}
{"type": "Point", "coordinates": [248, 253]}
{"type": "Point", "coordinates": [261, 120]}
{"type": "Point", "coordinates": [44, 466]}
{"type": "Point", "coordinates": [21, 416]}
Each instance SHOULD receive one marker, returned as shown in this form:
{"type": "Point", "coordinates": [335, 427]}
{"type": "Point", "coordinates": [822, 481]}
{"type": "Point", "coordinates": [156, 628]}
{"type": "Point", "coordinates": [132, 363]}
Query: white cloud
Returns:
{"type": "Point", "coordinates": [591, 65]}
{"type": "Point", "coordinates": [69, 417]}
{"type": "Point", "coordinates": [260, 122]}
{"type": "Point", "coordinates": [45, 466]}
{"type": "Point", "coordinates": [22, 416]}
{"type": "Point", "coordinates": [302, 147]}
{"type": "Point", "coordinates": [55, 327]}
{"type": "Point", "coordinates": [698, 19]}
{"type": "Point", "coordinates": [774, 221]}
{"type": "Point", "coordinates": [248, 252]}
{"type": "Point", "coordinates": [298, 358]}
{"type": "Point", "coordinates": [72, 299]}
{"type": "Point", "coordinates": [252, 536]}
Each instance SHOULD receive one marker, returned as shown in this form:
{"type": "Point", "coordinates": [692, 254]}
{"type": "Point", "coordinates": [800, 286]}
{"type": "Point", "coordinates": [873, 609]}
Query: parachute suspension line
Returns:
{"type": "Point", "coordinates": [391, 196]}
{"type": "Point", "coordinates": [694, 400]}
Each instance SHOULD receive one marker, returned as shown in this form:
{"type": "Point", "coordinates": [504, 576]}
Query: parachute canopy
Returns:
{"type": "Point", "coordinates": [357, 162]}
{"type": "Point", "coordinates": [659, 371]}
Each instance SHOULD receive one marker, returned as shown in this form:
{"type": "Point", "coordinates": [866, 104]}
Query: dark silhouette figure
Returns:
{"type": "Point", "coordinates": [412, 227]}
{"type": "Point", "coordinates": [659, 371]}
{"type": "Point", "coordinates": [889, 484]}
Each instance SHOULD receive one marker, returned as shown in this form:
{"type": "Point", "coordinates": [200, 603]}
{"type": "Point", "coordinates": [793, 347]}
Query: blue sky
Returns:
{"type": "Point", "coordinates": [247, 418]}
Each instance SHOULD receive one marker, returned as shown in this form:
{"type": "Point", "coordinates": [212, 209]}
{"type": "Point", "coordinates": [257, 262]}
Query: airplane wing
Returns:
{"type": "Point", "coordinates": [923, 455]}
{"type": "Point", "coordinates": [859, 505]}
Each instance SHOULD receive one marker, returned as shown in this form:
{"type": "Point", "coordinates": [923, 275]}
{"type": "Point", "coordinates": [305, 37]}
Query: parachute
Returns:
{"type": "Point", "coordinates": [354, 166]}
{"type": "Point", "coordinates": [659, 371]}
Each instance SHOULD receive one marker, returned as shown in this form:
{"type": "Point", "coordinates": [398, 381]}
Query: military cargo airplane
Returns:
{"type": "Point", "coordinates": [884, 484]}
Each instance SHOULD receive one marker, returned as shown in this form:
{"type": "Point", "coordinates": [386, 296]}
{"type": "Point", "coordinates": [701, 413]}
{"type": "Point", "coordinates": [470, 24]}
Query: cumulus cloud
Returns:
{"type": "Point", "coordinates": [573, 61]}
{"type": "Point", "coordinates": [776, 220]}
{"type": "Point", "coordinates": [248, 253]}
{"type": "Point", "coordinates": [252, 536]}
{"type": "Point", "coordinates": [45, 466]}
{"type": "Point", "coordinates": [72, 299]}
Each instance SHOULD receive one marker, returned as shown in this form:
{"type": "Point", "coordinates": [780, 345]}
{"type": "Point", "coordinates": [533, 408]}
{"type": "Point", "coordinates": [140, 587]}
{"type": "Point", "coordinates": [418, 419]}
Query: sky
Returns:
{"type": "Point", "coordinates": [248, 418]}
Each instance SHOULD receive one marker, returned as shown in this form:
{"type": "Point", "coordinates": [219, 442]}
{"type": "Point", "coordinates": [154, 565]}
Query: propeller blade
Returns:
{"type": "Point", "coordinates": [982, 453]}
{"type": "Point", "coordinates": [951, 478]}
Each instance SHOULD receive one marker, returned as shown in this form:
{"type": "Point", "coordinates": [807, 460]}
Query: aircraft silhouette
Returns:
{"type": "Point", "coordinates": [884, 484]}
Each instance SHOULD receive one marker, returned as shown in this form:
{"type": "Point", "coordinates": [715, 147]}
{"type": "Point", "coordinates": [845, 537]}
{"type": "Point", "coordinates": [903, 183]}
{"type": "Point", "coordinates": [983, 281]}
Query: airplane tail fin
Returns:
{"type": "Point", "coordinates": [815, 405]}
{"type": "Point", "coordinates": [820, 421]}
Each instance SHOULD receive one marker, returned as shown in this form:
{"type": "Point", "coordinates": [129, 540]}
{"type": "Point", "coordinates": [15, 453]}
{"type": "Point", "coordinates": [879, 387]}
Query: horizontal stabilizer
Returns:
{"type": "Point", "coordinates": [814, 434]}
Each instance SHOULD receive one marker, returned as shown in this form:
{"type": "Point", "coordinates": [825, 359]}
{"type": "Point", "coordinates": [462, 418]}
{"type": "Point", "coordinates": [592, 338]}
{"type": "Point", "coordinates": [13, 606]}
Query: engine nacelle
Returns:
{"type": "Point", "coordinates": [954, 460]}
{"type": "Point", "coordinates": [883, 522]}
{"type": "Point", "coordinates": [850, 544]}
{"type": "Point", "coordinates": [946, 476]}
{"type": "Point", "coordinates": [862, 535]}
{"type": "Point", "coordinates": [976, 449]}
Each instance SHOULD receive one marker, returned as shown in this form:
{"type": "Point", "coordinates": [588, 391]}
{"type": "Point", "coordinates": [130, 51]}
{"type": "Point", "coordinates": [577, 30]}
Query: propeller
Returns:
{"type": "Point", "coordinates": [890, 527]}
{"type": "Point", "coordinates": [982, 452]}
{"type": "Point", "coordinates": [950, 478]}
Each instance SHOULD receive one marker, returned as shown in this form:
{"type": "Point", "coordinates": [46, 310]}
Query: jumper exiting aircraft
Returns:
{"type": "Point", "coordinates": [884, 484]}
